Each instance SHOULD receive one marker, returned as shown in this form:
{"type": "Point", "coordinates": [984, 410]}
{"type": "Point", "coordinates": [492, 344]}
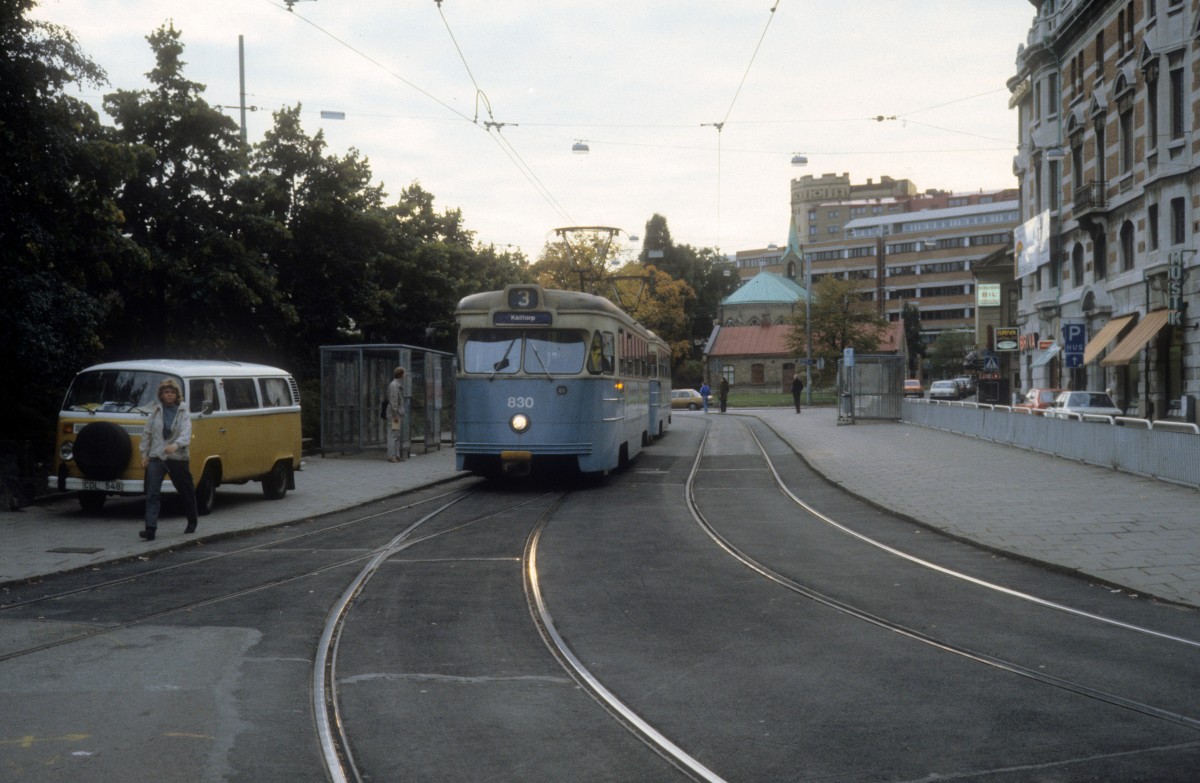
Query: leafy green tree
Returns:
{"type": "Point", "coordinates": [203, 290]}
{"type": "Point", "coordinates": [61, 232]}
{"type": "Point", "coordinates": [946, 353]}
{"type": "Point", "coordinates": [704, 270]}
{"type": "Point", "coordinates": [842, 317]}
{"type": "Point", "coordinates": [912, 338]}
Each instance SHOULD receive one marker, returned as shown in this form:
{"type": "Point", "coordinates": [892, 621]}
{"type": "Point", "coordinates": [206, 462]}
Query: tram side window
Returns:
{"type": "Point", "coordinates": [492, 351]}
{"type": "Point", "coordinates": [600, 355]}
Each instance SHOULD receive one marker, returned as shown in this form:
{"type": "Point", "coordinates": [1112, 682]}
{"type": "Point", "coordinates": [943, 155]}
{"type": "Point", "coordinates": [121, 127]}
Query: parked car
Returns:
{"type": "Point", "coordinates": [967, 383]}
{"type": "Point", "coordinates": [687, 398]}
{"type": "Point", "coordinates": [912, 388]}
{"type": "Point", "coordinates": [1085, 402]}
{"type": "Point", "coordinates": [1037, 400]}
{"type": "Point", "coordinates": [945, 390]}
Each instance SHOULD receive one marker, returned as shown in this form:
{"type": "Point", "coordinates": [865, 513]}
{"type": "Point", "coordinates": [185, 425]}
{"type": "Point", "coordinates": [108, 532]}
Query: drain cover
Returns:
{"type": "Point", "coordinates": [76, 550]}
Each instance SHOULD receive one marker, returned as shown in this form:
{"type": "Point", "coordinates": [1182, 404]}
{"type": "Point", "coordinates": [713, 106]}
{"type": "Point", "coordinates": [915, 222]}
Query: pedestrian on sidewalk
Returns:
{"type": "Point", "coordinates": [797, 390]}
{"type": "Point", "coordinates": [724, 393]}
{"type": "Point", "coordinates": [395, 438]}
{"type": "Point", "coordinates": [164, 450]}
{"type": "Point", "coordinates": [704, 392]}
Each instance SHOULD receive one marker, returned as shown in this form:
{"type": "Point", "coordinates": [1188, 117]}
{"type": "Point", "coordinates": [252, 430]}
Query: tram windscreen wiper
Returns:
{"type": "Point", "coordinates": [545, 369]}
{"type": "Point", "coordinates": [503, 363]}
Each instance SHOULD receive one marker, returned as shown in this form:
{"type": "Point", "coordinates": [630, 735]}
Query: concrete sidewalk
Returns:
{"type": "Point", "coordinates": [1123, 529]}
{"type": "Point", "coordinates": [51, 536]}
{"type": "Point", "coordinates": [1134, 532]}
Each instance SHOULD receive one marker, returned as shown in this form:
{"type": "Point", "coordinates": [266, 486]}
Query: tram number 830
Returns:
{"type": "Point", "coordinates": [520, 402]}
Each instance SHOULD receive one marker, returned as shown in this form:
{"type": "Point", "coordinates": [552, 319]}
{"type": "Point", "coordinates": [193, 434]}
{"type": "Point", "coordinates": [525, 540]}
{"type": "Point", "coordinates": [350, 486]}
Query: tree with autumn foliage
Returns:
{"type": "Point", "coordinates": [657, 301]}
{"type": "Point", "coordinates": [843, 316]}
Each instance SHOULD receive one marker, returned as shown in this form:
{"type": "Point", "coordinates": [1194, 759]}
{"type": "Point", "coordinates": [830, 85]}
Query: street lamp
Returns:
{"type": "Point", "coordinates": [807, 325]}
{"type": "Point", "coordinates": [798, 159]}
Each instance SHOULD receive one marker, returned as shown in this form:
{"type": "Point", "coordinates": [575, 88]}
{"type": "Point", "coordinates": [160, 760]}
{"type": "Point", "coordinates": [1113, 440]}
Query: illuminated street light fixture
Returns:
{"type": "Point", "coordinates": [580, 147]}
{"type": "Point", "coordinates": [799, 160]}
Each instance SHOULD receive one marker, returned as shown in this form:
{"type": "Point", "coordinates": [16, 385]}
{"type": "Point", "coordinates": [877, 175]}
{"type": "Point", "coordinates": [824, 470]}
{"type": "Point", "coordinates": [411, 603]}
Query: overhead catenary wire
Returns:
{"type": "Point", "coordinates": [720, 126]}
{"type": "Point", "coordinates": [505, 146]}
{"type": "Point", "coordinates": [491, 124]}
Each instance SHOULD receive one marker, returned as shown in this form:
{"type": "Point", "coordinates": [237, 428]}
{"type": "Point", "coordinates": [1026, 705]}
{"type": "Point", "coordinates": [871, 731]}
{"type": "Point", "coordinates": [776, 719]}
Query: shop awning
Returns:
{"type": "Point", "coordinates": [1045, 356]}
{"type": "Point", "coordinates": [1104, 337]}
{"type": "Point", "coordinates": [1136, 340]}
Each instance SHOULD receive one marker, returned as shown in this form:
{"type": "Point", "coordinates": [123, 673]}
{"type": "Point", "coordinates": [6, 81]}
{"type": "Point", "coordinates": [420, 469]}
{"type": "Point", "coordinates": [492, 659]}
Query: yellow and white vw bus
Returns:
{"type": "Point", "coordinates": [245, 427]}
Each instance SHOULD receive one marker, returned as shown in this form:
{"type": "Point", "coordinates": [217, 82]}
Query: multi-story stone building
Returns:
{"type": "Point", "coordinates": [909, 249]}
{"type": "Point", "coordinates": [1107, 164]}
{"type": "Point", "coordinates": [834, 192]}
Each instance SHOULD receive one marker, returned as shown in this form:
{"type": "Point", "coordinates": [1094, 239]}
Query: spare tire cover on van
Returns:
{"type": "Point", "coordinates": [102, 450]}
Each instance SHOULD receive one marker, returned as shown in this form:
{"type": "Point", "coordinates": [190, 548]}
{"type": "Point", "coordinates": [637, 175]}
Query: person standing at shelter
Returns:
{"type": "Point", "coordinates": [164, 450]}
{"type": "Point", "coordinates": [395, 437]}
{"type": "Point", "coordinates": [797, 390]}
{"type": "Point", "coordinates": [704, 392]}
{"type": "Point", "coordinates": [724, 393]}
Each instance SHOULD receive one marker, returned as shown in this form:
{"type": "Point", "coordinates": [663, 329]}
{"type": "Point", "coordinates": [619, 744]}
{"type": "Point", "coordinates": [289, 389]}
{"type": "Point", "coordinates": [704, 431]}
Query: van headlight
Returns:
{"type": "Point", "coordinates": [519, 423]}
{"type": "Point", "coordinates": [67, 450]}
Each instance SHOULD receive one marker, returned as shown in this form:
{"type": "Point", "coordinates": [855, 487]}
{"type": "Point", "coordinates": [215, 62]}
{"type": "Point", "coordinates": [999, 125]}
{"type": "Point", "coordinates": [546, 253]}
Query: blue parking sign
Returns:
{"type": "Point", "coordinates": [1074, 340]}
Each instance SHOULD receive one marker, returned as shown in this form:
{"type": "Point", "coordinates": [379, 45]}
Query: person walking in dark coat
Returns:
{"type": "Point", "coordinates": [797, 390]}
{"type": "Point", "coordinates": [724, 393]}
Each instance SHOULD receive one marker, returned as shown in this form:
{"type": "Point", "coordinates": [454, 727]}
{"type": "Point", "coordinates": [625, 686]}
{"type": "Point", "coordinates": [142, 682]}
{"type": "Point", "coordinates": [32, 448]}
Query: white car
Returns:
{"type": "Point", "coordinates": [944, 390]}
{"type": "Point", "coordinates": [1083, 402]}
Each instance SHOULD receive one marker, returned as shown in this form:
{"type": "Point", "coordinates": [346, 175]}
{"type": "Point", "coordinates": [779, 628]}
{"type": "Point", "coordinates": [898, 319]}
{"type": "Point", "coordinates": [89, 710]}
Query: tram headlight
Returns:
{"type": "Point", "coordinates": [519, 423]}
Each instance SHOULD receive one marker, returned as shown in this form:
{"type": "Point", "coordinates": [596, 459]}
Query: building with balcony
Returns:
{"type": "Point", "coordinates": [1107, 162]}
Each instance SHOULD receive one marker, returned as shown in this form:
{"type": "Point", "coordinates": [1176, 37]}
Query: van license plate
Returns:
{"type": "Point", "coordinates": [106, 486]}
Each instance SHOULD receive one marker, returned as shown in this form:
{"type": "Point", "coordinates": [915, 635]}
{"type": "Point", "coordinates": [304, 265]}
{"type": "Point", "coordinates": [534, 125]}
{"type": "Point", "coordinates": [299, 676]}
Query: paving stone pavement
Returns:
{"type": "Point", "coordinates": [1130, 531]}
{"type": "Point", "coordinates": [1123, 529]}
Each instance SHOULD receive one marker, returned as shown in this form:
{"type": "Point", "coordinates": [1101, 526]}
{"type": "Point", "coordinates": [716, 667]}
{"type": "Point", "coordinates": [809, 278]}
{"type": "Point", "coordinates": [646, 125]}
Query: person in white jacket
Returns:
{"type": "Point", "coordinates": [164, 450]}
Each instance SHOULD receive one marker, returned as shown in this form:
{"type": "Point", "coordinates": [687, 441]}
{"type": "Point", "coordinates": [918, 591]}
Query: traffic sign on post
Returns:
{"type": "Point", "coordinates": [1074, 338]}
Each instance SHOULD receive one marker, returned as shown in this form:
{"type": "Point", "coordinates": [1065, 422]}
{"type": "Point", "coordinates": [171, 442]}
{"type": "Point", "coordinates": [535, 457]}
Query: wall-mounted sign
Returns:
{"type": "Point", "coordinates": [1175, 288]}
{"type": "Point", "coordinates": [1007, 338]}
{"type": "Point", "coordinates": [1031, 244]}
{"type": "Point", "coordinates": [987, 295]}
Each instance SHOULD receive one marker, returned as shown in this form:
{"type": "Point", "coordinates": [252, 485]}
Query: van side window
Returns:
{"type": "Point", "coordinates": [203, 395]}
{"type": "Point", "coordinates": [275, 392]}
{"type": "Point", "coordinates": [239, 393]}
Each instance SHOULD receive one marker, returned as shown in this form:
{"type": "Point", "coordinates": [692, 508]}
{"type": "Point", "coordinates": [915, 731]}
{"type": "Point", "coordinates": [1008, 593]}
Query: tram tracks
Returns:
{"type": "Point", "coordinates": [958, 649]}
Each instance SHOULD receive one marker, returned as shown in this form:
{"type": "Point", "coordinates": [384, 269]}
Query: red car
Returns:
{"type": "Point", "coordinates": [1037, 400]}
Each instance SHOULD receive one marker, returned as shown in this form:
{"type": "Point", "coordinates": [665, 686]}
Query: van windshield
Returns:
{"type": "Point", "coordinates": [114, 391]}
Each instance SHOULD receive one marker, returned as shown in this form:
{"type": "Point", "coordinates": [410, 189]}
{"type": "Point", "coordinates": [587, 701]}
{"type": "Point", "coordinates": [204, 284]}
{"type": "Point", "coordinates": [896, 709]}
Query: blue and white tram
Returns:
{"type": "Point", "coordinates": [549, 377]}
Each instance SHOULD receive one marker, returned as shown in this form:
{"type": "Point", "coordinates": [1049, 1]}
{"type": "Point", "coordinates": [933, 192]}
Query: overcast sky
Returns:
{"type": "Point", "coordinates": [641, 83]}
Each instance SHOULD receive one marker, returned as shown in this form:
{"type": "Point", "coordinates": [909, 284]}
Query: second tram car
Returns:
{"type": "Point", "coordinates": [555, 378]}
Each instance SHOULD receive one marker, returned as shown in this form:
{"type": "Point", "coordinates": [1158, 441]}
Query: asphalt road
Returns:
{"type": "Point", "coordinates": [761, 638]}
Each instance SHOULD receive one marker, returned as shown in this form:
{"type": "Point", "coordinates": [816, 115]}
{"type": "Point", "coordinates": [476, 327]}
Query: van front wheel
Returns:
{"type": "Point", "coordinates": [275, 483]}
{"type": "Point", "coordinates": [206, 492]}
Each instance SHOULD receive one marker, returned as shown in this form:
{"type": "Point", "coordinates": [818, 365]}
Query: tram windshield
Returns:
{"type": "Point", "coordinates": [505, 352]}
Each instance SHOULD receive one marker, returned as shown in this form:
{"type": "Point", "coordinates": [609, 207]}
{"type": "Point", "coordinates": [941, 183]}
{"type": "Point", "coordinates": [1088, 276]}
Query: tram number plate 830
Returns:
{"type": "Point", "coordinates": [520, 402]}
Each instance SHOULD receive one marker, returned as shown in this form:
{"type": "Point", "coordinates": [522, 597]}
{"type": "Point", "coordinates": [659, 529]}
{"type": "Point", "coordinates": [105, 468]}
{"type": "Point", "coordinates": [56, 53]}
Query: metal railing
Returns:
{"type": "Point", "coordinates": [1164, 450]}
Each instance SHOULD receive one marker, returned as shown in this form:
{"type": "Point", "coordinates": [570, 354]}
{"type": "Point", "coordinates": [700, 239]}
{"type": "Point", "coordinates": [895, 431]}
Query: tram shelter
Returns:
{"type": "Point", "coordinates": [354, 381]}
